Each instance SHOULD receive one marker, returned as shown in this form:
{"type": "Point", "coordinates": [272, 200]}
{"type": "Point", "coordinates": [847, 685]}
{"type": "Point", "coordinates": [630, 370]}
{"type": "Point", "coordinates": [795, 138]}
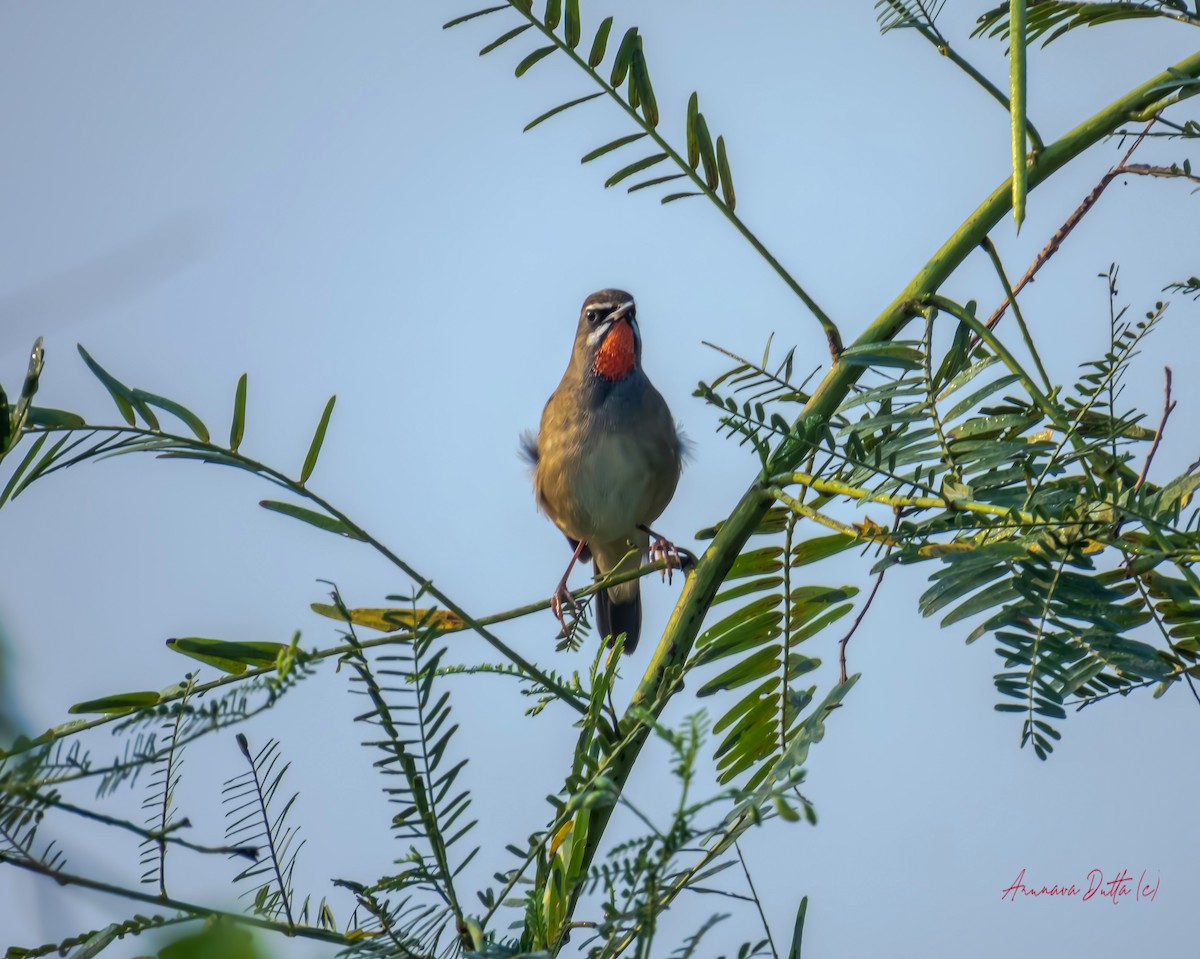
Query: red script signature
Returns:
{"type": "Point", "coordinates": [1095, 887]}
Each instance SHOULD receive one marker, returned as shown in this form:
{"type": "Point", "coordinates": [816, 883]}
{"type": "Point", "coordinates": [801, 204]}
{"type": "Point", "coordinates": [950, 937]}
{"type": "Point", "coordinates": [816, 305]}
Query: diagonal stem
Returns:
{"type": "Point", "coordinates": [661, 680]}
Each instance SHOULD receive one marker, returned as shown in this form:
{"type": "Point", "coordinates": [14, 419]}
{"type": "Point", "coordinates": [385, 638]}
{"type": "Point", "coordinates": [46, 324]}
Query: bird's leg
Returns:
{"type": "Point", "coordinates": [562, 595]}
{"type": "Point", "coordinates": [676, 557]}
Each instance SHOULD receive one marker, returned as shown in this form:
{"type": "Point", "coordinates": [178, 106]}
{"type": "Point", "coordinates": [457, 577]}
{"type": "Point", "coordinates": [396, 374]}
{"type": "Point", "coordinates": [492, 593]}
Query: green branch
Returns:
{"type": "Point", "coordinates": [662, 677]}
{"type": "Point", "coordinates": [199, 912]}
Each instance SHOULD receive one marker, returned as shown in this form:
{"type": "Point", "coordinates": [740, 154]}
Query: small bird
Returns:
{"type": "Point", "coordinates": [607, 459]}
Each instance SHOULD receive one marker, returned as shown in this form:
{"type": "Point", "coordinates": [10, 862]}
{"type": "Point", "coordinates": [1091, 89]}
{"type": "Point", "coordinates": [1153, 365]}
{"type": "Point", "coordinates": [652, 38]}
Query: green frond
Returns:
{"type": "Point", "coordinates": [253, 818]}
{"type": "Point", "coordinates": [1189, 287]}
{"type": "Point", "coordinates": [22, 809]}
{"type": "Point", "coordinates": [159, 804]}
{"type": "Point", "coordinates": [627, 81]}
{"type": "Point", "coordinates": [415, 733]}
{"type": "Point", "coordinates": [905, 14]}
{"type": "Point", "coordinates": [762, 638]}
{"type": "Point", "coordinates": [1053, 18]}
{"type": "Point", "coordinates": [753, 419]}
{"type": "Point", "coordinates": [90, 943]}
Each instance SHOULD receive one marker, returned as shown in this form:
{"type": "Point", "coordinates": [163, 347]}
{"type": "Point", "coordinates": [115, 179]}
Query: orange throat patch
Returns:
{"type": "Point", "coordinates": [617, 354]}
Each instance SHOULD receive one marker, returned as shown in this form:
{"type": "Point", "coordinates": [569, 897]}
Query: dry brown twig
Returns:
{"type": "Point", "coordinates": [1072, 221]}
{"type": "Point", "coordinates": [1168, 406]}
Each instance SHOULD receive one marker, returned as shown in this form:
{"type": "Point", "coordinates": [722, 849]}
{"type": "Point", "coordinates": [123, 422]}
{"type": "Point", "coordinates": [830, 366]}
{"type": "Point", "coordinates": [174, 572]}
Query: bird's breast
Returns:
{"type": "Point", "coordinates": [599, 482]}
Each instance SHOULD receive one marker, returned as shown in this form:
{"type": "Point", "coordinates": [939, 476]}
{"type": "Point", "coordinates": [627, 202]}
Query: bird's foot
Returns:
{"type": "Point", "coordinates": [560, 602]}
{"type": "Point", "coordinates": [675, 556]}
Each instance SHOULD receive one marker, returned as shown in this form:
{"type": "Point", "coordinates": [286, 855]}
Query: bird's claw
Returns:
{"type": "Point", "coordinates": [676, 558]}
{"type": "Point", "coordinates": [562, 600]}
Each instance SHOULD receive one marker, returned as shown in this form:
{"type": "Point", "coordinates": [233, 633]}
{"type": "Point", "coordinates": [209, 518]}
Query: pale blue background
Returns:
{"type": "Point", "coordinates": [337, 198]}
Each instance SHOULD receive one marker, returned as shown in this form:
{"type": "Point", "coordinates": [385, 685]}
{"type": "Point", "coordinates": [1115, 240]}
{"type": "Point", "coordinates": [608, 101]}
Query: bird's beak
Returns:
{"type": "Point", "coordinates": [619, 314]}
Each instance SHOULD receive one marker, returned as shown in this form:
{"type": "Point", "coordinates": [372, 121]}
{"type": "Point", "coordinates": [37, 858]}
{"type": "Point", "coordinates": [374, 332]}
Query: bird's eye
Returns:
{"type": "Point", "coordinates": [592, 316]}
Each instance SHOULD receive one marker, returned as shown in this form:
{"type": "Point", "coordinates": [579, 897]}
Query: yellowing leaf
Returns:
{"type": "Point", "coordinates": [943, 549]}
{"type": "Point", "coordinates": [561, 835]}
{"type": "Point", "coordinates": [871, 530]}
{"type": "Point", "coordinates": [393, 619]}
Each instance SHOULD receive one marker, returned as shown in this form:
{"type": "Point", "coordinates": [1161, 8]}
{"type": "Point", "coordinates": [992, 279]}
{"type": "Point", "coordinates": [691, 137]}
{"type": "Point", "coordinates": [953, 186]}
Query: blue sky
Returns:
{"type": "Point", "coordinates": [339, 199]}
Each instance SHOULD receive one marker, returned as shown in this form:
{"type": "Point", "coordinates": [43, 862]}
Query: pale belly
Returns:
{"type": "Point", "coordinates": [602, 494]}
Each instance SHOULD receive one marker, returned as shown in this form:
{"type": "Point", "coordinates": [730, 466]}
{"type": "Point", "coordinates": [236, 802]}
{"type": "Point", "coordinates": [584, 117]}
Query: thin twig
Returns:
{"type": "Point", "coordinates": [1011, 295]}
{"type": "Point", "coordinates": [1167, 172]}
{"type": "Point", "coordinates": [757, 902]}
{"type": "Point", "coordinates": [1065, 230]}
{"type": "Point", "coordinates": [844, 641]}
{"type": "Point", "coordinates": [1168, 406]}
{"type": "Point", "coordinates": [198, 911]}
{"type": "Point", "coordinates": [246, 852]}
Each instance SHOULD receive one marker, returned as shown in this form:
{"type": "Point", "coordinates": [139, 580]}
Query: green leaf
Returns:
{"type": "Point", "coordinates": [553, 13]}
{"type": "Point", "coordinates": [560, 108]}
{"type": "Point", "coordinates": [314, 449]}
{"type": "Point", "coordinates": [312, 517]}
{"type": "Point", "coordinates": [21, 467]}
{"type": "Point", "coordinates": [985, 599]}
{"type": "Point", "coordinates": [766, 693]}
{"type": "Point", "coordinates": [633, 168]}
{"type": "Point", "coordinates": [753, 586]}
{"type": "Point", "coordinates": [610, 146]}
{"type": "Point", "coordinates": [893, 355]}
{"type": "Point", "coordinates": [742, 631]}
{"type": "Point", "coordinates": [655, 181]}
{"type": "Point", "coordinates": [798, 930]}
{"type": "Point", "coordinates": [956, 357]}
{"type": "Point", "coordinates": [786, 812]}
{"type": "Point", "coordinates": [228, 656]}
{"type": "Point", "coordinates": [504, 38]}
{"type": "Point", "coordinates": [1179, 491]}
{"type": "Point", "coordinates": [693, 141]}
{"type": "Point", "coordinates": [539, 54]}
{"type": "Point", "coordinates": [6, 422]}
{"type": "Point", "coordinates": [120, 393]}
{"type": "Point", "coordinates": [821, 547]}
{"type": "Point", "coordinates": [40, 466]}
{"type": "Point", "coordinates": [15, 418]}
{"type": "Point", "coordinates": [44, 416]}
{"type": "Point", "coordinates": [471, 16]}
{"type": "Point", "coordinates": [707, 156]}
{"type": "Point", "coordinates": [811, 629]}
{"type": "Point", "coordinates": [726, 176]}
{"type": "Point", "coordinates": [573, 31]}
{"type": "Point", "coordinates": [175, 409]}
{"type": "Point", "coordinates": [748, 670]}
{"type": "Point", "coordinates": [756, 562]}
{"type": "Point", "coordinates": [672, 197]}
{"type": "Point", "coordinates": [239, 415]}
{"type": "Point", "coordinates": [118, 703]}
{"type": "Point", "coordinates": [641, 80]}
{"type": "Point", "coordinates": [600, 43]}
{"type": "Point", "coordinates": [624, 57]}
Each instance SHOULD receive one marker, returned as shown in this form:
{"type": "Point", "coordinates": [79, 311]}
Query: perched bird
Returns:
{"type": "Point", "coordinates": [607, 459]}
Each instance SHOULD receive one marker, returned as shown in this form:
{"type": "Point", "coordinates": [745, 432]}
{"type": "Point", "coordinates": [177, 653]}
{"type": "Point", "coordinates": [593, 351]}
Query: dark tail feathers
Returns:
{"type": "Point", "coordinates": [612, 619]}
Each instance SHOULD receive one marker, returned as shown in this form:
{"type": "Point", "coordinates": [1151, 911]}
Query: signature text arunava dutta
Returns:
{"type": "Point", "coordinates": [1096, 887]}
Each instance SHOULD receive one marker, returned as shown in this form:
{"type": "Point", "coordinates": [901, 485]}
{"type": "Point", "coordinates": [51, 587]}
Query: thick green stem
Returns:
{"type": "Point", "coordinates": [661, 680]}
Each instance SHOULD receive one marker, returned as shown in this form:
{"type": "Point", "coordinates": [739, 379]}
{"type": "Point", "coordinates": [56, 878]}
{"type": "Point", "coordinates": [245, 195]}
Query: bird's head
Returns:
{"type": "Point", "coordinates": [608, 341]}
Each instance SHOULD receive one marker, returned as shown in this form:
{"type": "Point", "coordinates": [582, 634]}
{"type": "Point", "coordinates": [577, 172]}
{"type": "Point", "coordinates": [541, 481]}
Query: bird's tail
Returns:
{"type": "Point", "coordinates": [620, 613]}
{"type": "Point", "coordinates": [619, 609]}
